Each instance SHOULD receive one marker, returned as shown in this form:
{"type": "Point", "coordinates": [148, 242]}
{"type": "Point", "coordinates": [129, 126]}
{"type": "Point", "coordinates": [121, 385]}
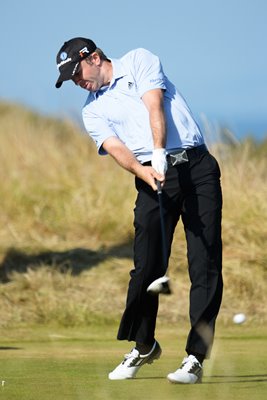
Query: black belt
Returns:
{"type": "Point", "coordinates": [181, 156]}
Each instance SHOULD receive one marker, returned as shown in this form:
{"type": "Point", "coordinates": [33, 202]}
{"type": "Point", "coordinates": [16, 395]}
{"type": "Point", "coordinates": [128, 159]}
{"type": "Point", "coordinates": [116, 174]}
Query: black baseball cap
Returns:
{"type": "Point", "coordinates": [70, 55]}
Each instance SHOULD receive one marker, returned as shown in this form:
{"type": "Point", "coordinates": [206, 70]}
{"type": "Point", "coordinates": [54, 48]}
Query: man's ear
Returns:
{"type": "Point", "coordinates": [95, 58]}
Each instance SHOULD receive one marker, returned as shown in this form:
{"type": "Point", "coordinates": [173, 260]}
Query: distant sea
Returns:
{"type": "Point", "coordinates": [252, 128]}
{"type": "Point", "coordinates": [239, 128]}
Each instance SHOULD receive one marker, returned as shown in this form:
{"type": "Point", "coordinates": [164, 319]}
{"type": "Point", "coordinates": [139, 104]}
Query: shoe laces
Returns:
{"type": "Point", "coordinates": [133, 354]}
{"type": "Point", "coordinates": [189, 362]}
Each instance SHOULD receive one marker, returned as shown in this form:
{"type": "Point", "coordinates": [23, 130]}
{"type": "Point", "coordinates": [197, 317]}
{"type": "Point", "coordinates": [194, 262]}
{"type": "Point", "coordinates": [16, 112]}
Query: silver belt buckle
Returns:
{"type": "Point", "coordinates": [178, 158]}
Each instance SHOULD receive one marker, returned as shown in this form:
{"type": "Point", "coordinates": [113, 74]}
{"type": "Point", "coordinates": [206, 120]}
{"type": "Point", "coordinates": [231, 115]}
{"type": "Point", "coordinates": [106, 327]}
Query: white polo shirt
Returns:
{"type": "Point", "coordinates": [118, 110]}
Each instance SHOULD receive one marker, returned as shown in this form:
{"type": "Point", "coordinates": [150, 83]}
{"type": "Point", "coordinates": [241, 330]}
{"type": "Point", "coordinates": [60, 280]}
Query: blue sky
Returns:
{"type": "Point", "coordinates": [213, 50]}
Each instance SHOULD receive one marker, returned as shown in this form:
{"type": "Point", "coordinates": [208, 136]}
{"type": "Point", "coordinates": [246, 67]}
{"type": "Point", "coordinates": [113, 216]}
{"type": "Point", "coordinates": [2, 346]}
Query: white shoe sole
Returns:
{"type": "Point", "coordinates": [189, 379]}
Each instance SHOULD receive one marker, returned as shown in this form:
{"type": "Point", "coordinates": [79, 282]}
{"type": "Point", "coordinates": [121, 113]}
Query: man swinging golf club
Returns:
{"type": "Point", "coordinates": [136, 115]}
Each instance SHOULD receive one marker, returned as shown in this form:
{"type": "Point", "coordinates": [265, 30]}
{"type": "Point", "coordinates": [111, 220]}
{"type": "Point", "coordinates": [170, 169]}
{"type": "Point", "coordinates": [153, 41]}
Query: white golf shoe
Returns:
{"type": "Point", "coordinates": [190, 371]}
{"type": "Point", "coordinates": [129, 367]}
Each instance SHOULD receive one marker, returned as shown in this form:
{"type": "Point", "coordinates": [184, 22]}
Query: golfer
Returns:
{"type": "Point", "coordinates": [137, 116]}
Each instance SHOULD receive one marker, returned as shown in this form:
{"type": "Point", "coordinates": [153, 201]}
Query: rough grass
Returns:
{"type": "Point", "coordinates": [66, 228]}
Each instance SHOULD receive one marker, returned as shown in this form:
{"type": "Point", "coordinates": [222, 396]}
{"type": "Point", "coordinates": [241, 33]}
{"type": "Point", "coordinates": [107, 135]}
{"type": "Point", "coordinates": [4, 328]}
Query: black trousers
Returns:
{"type": "Point", "coordinates": [192, 191]}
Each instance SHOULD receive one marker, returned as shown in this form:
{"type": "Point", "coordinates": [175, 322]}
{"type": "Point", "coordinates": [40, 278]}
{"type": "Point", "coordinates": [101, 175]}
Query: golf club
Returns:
{"type": "Point", "coordinates": [162, 284]}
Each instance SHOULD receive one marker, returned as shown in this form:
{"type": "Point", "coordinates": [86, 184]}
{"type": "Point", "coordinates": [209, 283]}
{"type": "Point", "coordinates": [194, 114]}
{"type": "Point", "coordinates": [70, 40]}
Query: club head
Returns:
{"type": "Point", "coordinates": [160, 286]}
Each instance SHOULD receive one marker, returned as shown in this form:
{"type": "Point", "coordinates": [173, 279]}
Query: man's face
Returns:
{"type": "Point", "coordinates": [88, 75]}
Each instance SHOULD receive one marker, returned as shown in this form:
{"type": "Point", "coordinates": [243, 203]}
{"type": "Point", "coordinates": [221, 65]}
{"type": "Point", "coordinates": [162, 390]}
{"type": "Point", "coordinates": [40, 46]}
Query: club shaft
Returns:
{"type": "Point", "coordinates": [162, 225]}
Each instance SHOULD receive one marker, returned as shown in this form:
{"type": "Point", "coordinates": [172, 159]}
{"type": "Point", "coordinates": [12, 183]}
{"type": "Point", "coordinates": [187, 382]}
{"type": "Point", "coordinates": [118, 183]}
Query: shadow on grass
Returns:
{"type": "Point", "coordinates": [74, 260]}
{"type": "Point", "coordinates": [9, 348]}
{"type": "Point", "coordinates": [219, 379]}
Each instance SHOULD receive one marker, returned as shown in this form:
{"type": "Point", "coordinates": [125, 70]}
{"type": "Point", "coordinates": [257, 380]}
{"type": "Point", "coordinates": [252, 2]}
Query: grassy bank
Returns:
{"type": "Point", "coordinates": [66, 228]}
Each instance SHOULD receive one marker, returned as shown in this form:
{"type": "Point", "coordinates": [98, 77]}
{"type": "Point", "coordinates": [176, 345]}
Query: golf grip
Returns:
{"type": "Point", "coordinates": [162, 225]}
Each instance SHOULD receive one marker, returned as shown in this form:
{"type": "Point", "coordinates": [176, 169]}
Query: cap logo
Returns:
{"type": "Point", "coordinates": [63, 56]}
{"type": "Point", "coordinates": [83, 50]}
{"type": "Point", "coordinates": [75, 68]}
{"type": "Point", "coordinates": [64, 62]}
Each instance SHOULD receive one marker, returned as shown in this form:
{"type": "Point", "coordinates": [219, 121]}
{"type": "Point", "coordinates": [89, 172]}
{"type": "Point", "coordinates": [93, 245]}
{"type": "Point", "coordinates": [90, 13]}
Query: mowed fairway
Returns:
{"type": "Point", "coordinates": [60, 363]}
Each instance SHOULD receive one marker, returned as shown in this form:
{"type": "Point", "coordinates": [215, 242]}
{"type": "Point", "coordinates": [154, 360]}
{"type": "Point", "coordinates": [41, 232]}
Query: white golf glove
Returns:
{"type": "Point", "coordinates": [159, 161]}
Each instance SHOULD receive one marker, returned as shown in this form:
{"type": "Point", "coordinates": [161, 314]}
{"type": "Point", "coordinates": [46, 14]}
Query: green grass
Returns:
{"type": "Point", "coordinates": [58, 363]}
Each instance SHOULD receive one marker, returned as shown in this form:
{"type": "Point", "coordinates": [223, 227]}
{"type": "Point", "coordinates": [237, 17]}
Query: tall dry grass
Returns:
{"type": "Point", "coordinates": [66, 228]}
{"type": "Point", "coordinates": [55, 189]}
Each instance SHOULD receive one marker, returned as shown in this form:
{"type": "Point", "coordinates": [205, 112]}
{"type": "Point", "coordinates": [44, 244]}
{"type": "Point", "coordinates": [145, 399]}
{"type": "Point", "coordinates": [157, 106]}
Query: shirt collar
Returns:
{"type": "Point", "coordinates": [118, 72]}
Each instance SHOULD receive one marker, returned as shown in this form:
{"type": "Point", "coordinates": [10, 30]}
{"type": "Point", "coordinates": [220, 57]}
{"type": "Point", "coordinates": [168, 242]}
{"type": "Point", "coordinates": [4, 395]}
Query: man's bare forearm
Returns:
{"type": "Point", "coordinates": [122, 155]}
{"type": "Point", "coordinates": [154, 102]}
{"type": "Point", "coordinates": [127, 160]}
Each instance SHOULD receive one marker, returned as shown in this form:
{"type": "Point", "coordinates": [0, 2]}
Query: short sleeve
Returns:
{"type": "Point", "coordinates": [147, 71]}
{"type": "Point", "coordinates": [97, 128]}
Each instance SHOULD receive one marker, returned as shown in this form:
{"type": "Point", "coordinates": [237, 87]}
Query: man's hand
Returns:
{"type": "Point", "coordinates": [159, 161]}
{"type": "Point", "coordinates": [150, 176]}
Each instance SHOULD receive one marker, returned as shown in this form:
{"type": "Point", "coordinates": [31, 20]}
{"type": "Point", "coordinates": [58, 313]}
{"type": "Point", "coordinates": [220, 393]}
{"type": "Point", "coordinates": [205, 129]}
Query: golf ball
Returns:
{"type": "Point", "coordinates": [239, 318]}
